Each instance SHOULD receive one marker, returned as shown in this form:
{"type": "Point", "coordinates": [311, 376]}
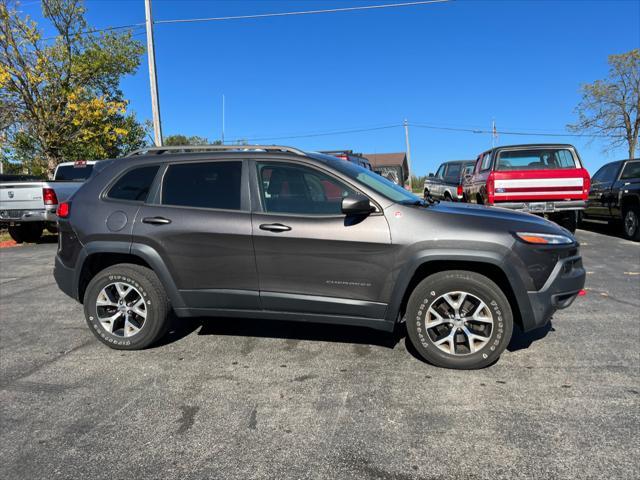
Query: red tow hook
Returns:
{"type": "Point", "coordinates": [582, 293]}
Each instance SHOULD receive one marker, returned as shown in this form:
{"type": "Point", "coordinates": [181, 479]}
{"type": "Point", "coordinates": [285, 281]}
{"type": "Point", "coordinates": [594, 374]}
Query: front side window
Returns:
{"type": "Point", "coordinates": [134, 185]}
{"type": "Point", "coordinates": [606, 173]}
{"type": "Point", "coordinates": [287, 188]}
{"type": "Point", "coordinates": [203, 185]}
{"type": "Point", "coordinates": [631, 170]}
{"type": "Point", "coordinates": [440, 172]}
{"type": "Point", "coordinates": [536, 159]}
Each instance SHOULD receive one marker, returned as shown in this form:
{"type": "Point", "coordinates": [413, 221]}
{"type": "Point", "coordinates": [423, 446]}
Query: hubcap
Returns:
{"type": "Point", "coordinates": [121, 309]}
{"type": "Point", "coordinates": [459, 323]}
{"type": "Point", "coordinates": [630, 222]}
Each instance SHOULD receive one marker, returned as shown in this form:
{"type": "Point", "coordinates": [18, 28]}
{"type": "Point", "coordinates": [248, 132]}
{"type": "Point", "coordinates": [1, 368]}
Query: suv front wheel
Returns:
{"type": "Point", "coordinates": [459, 319]}
{"type": "Point", "coordinates": [126, 307]}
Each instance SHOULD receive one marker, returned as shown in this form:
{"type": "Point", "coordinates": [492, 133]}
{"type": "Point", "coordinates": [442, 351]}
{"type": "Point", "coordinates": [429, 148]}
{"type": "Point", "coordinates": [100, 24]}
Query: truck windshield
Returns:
{"type": "Point", "coordinates": [73, 172]}
{"type": "Point", "coordinates": [536, 159]}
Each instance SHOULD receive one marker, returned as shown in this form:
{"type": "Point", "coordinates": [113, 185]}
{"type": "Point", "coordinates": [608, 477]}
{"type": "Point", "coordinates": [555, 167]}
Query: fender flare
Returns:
{"type": "Point", "coordinates": [472, 256]}
{"type": "Point", "coordinates": [144, 252]}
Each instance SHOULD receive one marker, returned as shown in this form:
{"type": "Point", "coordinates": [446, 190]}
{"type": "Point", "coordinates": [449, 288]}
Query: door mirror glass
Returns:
{"type": "Point", "coordinates": [356, 204]}
{"type": "Point", "coordinates": [431, 174]}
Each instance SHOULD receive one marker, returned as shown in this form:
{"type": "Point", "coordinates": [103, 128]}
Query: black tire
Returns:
{"type": "Point", "coordinates": [568, 220]}
{"type": "Point", "coordinates": [447, 197]}
{"type": "Point", "coordinates": [26, 232]}
{"type": "Point", "coordinates": [146, 282]}
{"type": "Point", "coordinates": [631, 223]}
{"type": "Point", "coordinates": [431, 290]}
{"type": "Point", "coordinates": [426, 194]}
{"type": "Point", "coordinates": [15, 232]}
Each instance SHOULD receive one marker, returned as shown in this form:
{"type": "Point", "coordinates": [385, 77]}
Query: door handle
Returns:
{"type": "Point", "coordinates": [275, 227]}
{"type": "Point", "coordinates": [156, 220]}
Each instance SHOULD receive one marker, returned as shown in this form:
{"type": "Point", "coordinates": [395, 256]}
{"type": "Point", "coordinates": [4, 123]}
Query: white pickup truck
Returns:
{"type": "Point", "coordinates": [27, 207]}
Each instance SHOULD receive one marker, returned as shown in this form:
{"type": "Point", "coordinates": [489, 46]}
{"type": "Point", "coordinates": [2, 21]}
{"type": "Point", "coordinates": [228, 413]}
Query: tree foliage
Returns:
{"type": "Point", "coordinates": [610, 107]}
{"type": "Point", "coordinates": [179, 139]}
{"type": "Point", "coordinates": [60, 97]}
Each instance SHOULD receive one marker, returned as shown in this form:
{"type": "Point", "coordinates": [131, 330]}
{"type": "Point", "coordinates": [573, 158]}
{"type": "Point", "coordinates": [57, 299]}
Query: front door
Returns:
{"type": "Point", "coordinates": [311, 257]}
{"type": "Point", "coordinates": [200, 224]}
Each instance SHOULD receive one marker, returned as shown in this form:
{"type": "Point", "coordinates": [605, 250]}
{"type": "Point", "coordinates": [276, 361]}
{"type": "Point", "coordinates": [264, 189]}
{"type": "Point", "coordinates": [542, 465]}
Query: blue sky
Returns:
{"type": "Point", "coordinates": [456, 64]}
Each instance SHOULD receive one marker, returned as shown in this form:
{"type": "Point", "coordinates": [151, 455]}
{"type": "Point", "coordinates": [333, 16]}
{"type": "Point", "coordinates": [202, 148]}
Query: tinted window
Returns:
{"type": "Point", "coordinates": [287, 188]}
{"type": "Point", "coordinates": [135, 184]}
{"type": "Point", "coordinates": [536, 159]}
{"type": "Point", "coordinates": [606, 173]}
{"type": "Point", "coordinates": [73, 172]}
{"type": "Point", "coordinates": [631, 170]}
{"type": "Point", "coordinates": [203, 185]}
{"type": "Point", "coordinates": [440, 172]}
{"type": "Point", "coordinates": [486, 161]}
{"type": "Point", "coordinates": [453, 172]}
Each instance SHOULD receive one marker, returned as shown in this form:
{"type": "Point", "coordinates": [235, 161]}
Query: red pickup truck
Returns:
{"type": "Point", "coordinates": [546, 179]}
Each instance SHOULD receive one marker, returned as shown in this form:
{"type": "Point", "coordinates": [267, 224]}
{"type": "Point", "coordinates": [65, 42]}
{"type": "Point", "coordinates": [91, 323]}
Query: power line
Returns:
{"type": "Point", "coordinates": [305, 12]}
{"type": "Point", "coordinates": [316, 134]}
{"type": "Point", "coordinates": [504, 132]}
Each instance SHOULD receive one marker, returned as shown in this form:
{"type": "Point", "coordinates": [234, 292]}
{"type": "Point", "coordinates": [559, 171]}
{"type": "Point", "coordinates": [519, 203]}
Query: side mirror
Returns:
{"type": "Point", "coordinates": [356, 205]}
{"type": "Point", "coordinates": [431, 174]}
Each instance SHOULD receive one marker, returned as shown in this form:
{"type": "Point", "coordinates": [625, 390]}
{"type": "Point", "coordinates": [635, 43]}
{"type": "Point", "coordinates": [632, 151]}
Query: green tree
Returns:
{"type": "Point", "coordinates": [179, 139]}
{"type": "Point", "coordinates": [60, 97]}
{"type": "Point", "coordinates": [611, 107]}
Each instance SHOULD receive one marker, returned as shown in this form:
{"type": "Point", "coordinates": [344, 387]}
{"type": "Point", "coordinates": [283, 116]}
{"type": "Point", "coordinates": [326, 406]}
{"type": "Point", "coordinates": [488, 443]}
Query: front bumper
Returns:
{"type": "Point", "coordinates": [559, 291]}
{"type": "Point", "coordinates": [543, 206]}
{"type": "Point", "coordinates": [23, 216]}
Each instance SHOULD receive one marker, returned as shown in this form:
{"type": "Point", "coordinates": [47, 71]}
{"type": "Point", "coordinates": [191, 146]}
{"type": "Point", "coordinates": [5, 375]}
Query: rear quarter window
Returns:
{"type": "Point", "coordinates": [134, 185]}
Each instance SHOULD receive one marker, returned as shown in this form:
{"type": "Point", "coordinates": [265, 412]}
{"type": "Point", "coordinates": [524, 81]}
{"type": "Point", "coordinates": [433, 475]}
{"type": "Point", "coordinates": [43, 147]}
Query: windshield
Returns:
{"type": "Point", "coordinates": [536, 159]}
{"type": "Point", "coordinates": [377, 183]}
{"type": "Point", "coordinates": [73, 172]}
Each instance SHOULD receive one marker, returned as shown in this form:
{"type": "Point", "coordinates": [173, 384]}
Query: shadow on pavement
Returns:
{"type": "Point", "coordinates": [245, 327]}
{"type": "Point", "coordinates": [614, 229]}
{"type": "Point", "coordinates": [521, 340]}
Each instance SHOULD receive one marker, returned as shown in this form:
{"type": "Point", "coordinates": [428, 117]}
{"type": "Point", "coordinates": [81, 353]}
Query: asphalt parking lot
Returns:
{"type": "Point", "coordinates": [242, 399]}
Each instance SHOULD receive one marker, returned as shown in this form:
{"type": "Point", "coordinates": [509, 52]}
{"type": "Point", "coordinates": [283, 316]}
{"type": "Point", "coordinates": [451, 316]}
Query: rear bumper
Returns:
{"type": "Point", "coordinates": [559, 291]}
{"type": "Point", "coordinates": [65, 277]}
{"type": "Point", "coordinates": [543, 206]}
{"type": "Point", "coordinates": [23, 216]}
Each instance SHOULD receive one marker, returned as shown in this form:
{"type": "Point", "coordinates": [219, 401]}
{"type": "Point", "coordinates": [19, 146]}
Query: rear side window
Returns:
{"type": "Point", "coordinates": [606, 173]}
{"type": "Point", "coordinates": [631, 170]}
{"type": "Point", "coordinates": [203, 185]}
{"type": "Point", "coordinates": [453, 172]}
{"type": "Point", "coordinates": [134, 185]}
{"type": "Point", "coordinates": [536, 159]}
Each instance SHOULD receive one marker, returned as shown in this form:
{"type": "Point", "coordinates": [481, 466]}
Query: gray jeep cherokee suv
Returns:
{"type": "Point", "coordinates": [277, 233]}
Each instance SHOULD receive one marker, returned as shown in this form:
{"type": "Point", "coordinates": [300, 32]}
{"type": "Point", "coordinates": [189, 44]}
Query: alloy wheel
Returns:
{"type": "Point", "coordinates": [630, 223]}
{"type": "Point", "coordinates": [459, 323]}
{"type": "Point", "coordinates": [121, 309]}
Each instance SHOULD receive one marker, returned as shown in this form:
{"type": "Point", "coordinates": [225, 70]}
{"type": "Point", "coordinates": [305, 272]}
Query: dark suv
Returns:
{"type": "Point", "coordinates": [277, 233]}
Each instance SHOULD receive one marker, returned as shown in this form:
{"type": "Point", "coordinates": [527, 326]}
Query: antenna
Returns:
{"type": "Point", "coordinates": [222, 119]}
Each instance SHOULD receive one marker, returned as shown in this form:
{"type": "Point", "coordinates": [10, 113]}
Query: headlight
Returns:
{"type": "Point", "coordinates": [544, 238]}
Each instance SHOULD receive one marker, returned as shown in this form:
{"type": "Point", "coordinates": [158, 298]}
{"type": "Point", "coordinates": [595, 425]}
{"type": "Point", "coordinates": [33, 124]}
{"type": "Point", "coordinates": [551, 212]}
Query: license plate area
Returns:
{"type": "Point", "coordinates": [540, 207]}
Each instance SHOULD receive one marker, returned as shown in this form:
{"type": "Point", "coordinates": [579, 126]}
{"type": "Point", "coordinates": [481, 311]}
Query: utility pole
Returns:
{"type": "Point", "coordinates": [223, 119]}
{"type": "Point", "coordinates": [406, 139]}
{"type": "Point", "coordinates": [153, 79]}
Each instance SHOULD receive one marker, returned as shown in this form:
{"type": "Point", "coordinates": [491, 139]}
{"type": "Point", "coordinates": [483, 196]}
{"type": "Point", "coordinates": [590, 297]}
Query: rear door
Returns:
{"type": "Point", "coordinates": [200, 224]}
{"type": "Point", "coordinates": [311, 258]}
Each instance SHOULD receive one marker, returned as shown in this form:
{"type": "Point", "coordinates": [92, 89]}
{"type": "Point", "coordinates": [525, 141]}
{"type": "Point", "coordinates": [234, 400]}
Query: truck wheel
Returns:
{"type": "Point", "coordinates": [426, 194]}
{"type": "Point", "coordinates": [567, 220]}
{"type": "Point", "coordinates": [126, 307]}
{"type": "Point", "coordinates": [459, 319]}
{"type": "Point", "coordinates": [631, 224]}
{"type": "Point", "coordinates": [26, 232]}
{"type": "Point", "coordinates": [15, 232]}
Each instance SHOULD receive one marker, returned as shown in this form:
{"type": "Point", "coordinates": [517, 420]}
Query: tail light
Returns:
{"type": "Point", "coordinates": [491, 191]}
{"type": "Point", "coordinates": [586, 184]}
{"type": "Point", "coordinates": [49, 196]}
{"type": "Point", "coordinates": [64, 209]}
{"type": "Point", "coordinates": [460, 192]}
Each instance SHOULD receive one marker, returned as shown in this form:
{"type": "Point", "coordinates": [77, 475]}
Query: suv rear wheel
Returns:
{"type": "Point", "coordinates": [126, 307]}
{"type": "Point", "coordinates": [459, 319]}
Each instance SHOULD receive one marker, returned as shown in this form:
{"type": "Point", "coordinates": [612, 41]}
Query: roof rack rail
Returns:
{"type": "Point", "coordinates": [214, 148]}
